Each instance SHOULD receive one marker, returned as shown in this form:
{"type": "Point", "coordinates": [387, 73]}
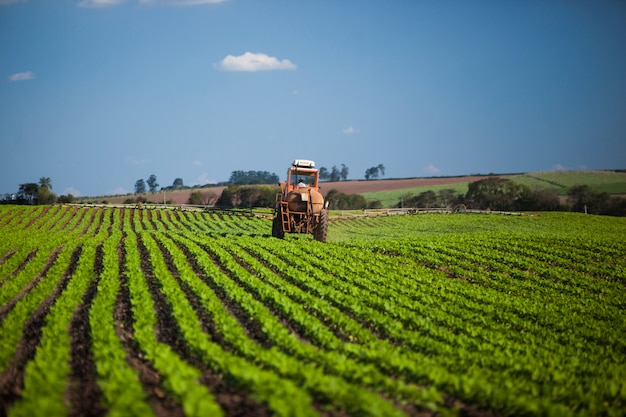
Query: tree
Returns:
{"type": "Point", "coordinates": [178, 183]}
{"type": "Point", "coordinates": [374, 172]}
{"type": "Point", "coordinates": [195, 198]}
{"type": "Point", "coordinates": [253, 177]}
{"type": "Point", "coordinates": [496, 194]}
{"type": "Point", "coordinates": [152, 183]}
{"type": "Point", "coordinates": [584, 198]}
{"type": "Point", "coordinates": [45, 196]}
{"type": "Point", "coordinates": [334, 174]}
{"type": "Point", "coordinates": [45, 182]}
{"type": "Point", "coordinates": [344, 172]}
{"type": "Point", "coordinates": [140, 186]}
{"type": "Point", "coordinates": [28, 192]}
{"type": "Point", "coordinates": [371, 173]}
{"type": "Point", "coordinates": [341, 201]}
{"type": "Point", "coordinates": [324, 175]}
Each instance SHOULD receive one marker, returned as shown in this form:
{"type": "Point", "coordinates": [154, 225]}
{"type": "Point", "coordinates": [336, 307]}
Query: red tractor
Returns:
{"type": "Point", "coordinates": [300, 207]}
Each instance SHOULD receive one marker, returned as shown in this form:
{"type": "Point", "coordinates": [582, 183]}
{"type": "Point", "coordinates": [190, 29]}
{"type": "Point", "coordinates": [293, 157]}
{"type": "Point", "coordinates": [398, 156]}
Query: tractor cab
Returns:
{"type": "Point", "coordinates": [301, 174]}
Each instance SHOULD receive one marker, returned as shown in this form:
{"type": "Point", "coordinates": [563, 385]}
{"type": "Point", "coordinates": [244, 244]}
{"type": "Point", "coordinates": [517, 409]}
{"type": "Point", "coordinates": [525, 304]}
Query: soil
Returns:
{"type": "Point", "coordinates": [181, 197]}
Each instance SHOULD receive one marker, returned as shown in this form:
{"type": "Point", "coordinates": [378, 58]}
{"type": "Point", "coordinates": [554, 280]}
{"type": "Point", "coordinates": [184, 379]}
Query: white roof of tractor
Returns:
{"type": "Point", "coordinates": [303, 163]}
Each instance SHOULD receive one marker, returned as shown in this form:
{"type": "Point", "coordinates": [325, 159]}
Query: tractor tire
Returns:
{"type": "Point", "coordinates": [277, 228]}
{"type": "Point", "coordinates": [321, 229]}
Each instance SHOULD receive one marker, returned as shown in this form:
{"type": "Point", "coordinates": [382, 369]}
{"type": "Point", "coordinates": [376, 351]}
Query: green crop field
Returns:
{"type": "Point", "coordinates": [140, 312]}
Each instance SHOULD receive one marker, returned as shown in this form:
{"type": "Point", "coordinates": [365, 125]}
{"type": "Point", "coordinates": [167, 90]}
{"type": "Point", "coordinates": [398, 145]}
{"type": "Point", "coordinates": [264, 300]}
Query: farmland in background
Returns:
{"type": "Point", "coordinates": [125, 311]}
{"type": "Point", "coordinates": [390, 191]}
{"type": "Point", "coordinates": [607, 181]}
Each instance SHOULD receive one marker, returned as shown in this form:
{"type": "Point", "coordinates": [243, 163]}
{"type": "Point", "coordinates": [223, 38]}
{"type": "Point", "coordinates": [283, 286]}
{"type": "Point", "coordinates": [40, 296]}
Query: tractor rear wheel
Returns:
{"type": "Point", "coordinates": [321, 229]}
{"type": "Point", "coordinates": [277, 228]}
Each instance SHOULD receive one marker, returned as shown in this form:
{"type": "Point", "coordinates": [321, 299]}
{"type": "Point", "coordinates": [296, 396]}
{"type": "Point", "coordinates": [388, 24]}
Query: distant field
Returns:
{"type": "Point", "coordinates": [607, 181]}
{"type": "Point", "coordinates": [390, 191]}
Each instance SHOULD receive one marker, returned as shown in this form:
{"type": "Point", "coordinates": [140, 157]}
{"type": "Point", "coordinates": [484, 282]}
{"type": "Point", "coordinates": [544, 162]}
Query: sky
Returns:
{"type": "Point", "coordinates": [96, 94]}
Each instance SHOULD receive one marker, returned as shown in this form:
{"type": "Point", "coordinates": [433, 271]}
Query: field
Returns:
{"type": "Point", "coordinates": [123, 311]}
{"type": "Point", "coordinates": [390, 191]}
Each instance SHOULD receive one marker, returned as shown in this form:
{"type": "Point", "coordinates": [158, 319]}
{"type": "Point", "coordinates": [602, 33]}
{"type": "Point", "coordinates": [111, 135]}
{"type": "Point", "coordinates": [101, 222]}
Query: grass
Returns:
{"type": "Point", "coordinates": [608, 181]}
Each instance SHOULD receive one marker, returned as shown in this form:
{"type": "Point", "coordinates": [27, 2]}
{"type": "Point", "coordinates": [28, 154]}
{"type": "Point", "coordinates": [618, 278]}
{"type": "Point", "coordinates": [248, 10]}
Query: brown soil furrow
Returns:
{"type": "Point", "coordinates": [161, 404]}
{"type": "Point", "coordinates": [250, 325]}
{"type": "Point", "coordinates": [334, 329]}
{"type": "Point", "coordinates": [54, 222]}
{"type": "Point", "coordinates": [91, 220]}
{"type": "Point", "coordinates": [49, 216]}
{"type": "Point", "coordinates": [234, 401]}
{"type": "Point", "coordinates": [151, 217]}
{"type": "Point", "coordinates": [4, 310]}
{"type": "Point", "coordinates": [12, 378]}
{"type": "Point", "coordinates": [20, 266]}
{"type": "Point", "coordinates": [120, 226]}
{"type": "Point", "coordinates": [69, 219]}
{"type": "Point", "coordinates": [111, 221]}
{"type": "Point", "coordinates": [83, 393]}
{"type": "Point", "coordinates": [100, 221]}
{"type": "Point", "coordinates": [294, 328]}
{"type": "Point", "coordinates": [8, 217]}
{"type": "Point", "coordinates": [7, 256]}
{"type": "Point", "coordinates": [82, 216]}
{"type": "Point", "coordinates": [39, 216]}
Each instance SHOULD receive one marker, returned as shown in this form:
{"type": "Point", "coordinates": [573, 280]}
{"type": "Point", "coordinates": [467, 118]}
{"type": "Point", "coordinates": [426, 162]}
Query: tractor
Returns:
{"type": "Point", "coordinates": [300, 207]}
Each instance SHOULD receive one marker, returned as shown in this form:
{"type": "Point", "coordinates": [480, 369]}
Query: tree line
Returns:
{"type": "Point", "coordinates": [502, 194]}
{"type": "Point", "coordinates": [251, 189]}
{"type": "Point", "coordinates": [36, 193]}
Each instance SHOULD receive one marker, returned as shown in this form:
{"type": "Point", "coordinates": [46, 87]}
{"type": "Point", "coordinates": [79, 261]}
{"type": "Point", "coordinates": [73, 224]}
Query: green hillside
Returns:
{"type": "Point", "coordinates": [611, 182]}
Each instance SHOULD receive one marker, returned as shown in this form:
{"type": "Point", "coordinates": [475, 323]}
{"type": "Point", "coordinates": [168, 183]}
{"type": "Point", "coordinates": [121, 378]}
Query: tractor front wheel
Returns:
{"type": "Point", "coordinates": [321, 229]}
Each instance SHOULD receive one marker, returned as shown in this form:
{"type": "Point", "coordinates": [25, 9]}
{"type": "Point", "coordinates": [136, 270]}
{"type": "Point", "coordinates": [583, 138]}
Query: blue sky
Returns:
{"type": "Point", "coordinates": [96, 94]}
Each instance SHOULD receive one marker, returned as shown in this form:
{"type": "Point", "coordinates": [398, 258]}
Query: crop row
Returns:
{"type": "Point", "coordinates": [155, 312]}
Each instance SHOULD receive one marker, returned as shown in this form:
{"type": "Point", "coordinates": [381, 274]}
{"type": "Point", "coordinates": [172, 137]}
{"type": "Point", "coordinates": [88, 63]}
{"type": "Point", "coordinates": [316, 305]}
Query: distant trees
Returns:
{"type": "Point", "coordinates": [335, 174]}
{"type": "Point", "coordinates": [152, 183]}
{"type": "Point", "coordinates": [247, 196]}
{"type": "Point", "coordinates": [178, 184]}
{"type": "Point", "coordinates": [28, 192]}
{"type": "Point", "coordinates": [496, 193]}
{"type": "Point", "coordinates": [502, 194]}
{"type": "Point", "coordinates": [32, 193]}
{"type": "Point", "coordinates": [341, 201]}
{"type": "Point", "coordinates": [374, 172]}
{"type": "Point", "coordinates": [253, 177]}
{"type": "Point", "coordinates": [140, 186]}
{"type": "Point", "coordinates": [429, 199]}
{"type": "Point", "coordinates": [45, 182]}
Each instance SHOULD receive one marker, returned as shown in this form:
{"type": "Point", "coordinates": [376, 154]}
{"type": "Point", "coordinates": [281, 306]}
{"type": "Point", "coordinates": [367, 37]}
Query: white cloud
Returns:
{"type": "Point", "coordinates": [118, 191]}
{"type": "Point", "coordinates": [349, 130]}
{"type": "Point", "coordinates": [22, 76]}
{"type": "Point", "coordinates": [73, 191]}
{"type": "Point", "coordinates": [135, 161]}
{"type": "Point", "coordinates": [180, 2]}
{"type": "Point", "coordinates": [7, 2]}
{"type": "Point", "coordinates": [431, 169]}
{"type": "Point", "coordinates": [96, 4]}
{"type": "Point", "coordinates": [254, 62]}
{"type": "Point", "coordinates": [558, 167]}
{"type": "Point", "coordinates": [203, 179]}
{"type": "Point", "coordinates": [108, 3]}
{"type": "Point", "coordinates": [197, 162]}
